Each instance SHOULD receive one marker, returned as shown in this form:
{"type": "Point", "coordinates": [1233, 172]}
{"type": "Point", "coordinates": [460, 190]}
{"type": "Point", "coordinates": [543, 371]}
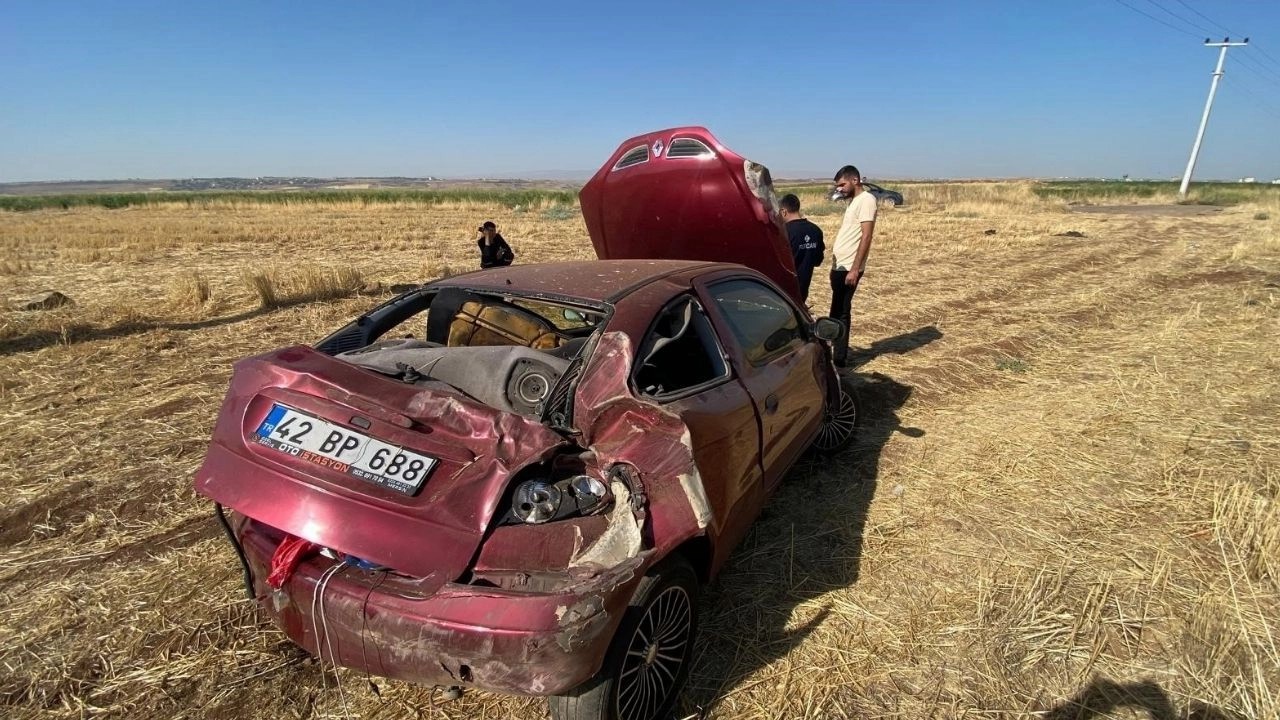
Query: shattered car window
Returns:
{"type": "Point", "coordinates": [680, 352]}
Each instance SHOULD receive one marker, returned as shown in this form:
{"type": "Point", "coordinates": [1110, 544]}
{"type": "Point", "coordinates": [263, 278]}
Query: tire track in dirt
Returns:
{"type": "Point", "coordinates": [1128, 272]}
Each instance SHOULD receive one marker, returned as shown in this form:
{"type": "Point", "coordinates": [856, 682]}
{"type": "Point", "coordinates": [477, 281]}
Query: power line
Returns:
{"type": "Point", "coordinates": [1254, 68]}
{"type": "Point", "coordinates": [1268, 56]}
{"type": "Point", "coordinates": [1224, 29]}
{"type": "Point", "coordinates": [1173, 14]}
{"type": "Point", "coordinates": [1162, 22]}
{"type": "Point", "coordinates": [1270, 109]}
{"type": "Point", "coordinates": [1211, 22]}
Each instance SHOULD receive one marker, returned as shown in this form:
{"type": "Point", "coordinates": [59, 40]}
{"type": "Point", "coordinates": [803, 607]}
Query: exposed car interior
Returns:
{"type": "Point", "coordinates": [680, 352]}
{"type": "Point", "coordinates": [506, 352]}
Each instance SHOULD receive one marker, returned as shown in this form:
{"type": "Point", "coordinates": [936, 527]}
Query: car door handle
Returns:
{"type": "Point", "coordinates": [771, 403]}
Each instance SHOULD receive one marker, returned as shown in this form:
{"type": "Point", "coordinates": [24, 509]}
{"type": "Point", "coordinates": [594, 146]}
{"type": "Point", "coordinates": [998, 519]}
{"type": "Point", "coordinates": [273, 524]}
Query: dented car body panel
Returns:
{"type": "Point", "coordinates": [651, 405]}
{"type": "Point", "coordinates": [514, 642]}
{"type": "Point", "coordinates": [477, 448]}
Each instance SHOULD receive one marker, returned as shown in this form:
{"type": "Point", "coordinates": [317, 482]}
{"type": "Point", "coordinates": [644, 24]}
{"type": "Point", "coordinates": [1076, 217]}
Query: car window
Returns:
{"type": "Point", "coordinates": [680, 352]}
{"type": "Point", "coordinates": [562, 317]}
{"type": "Point", "coordinates": [764, 323]}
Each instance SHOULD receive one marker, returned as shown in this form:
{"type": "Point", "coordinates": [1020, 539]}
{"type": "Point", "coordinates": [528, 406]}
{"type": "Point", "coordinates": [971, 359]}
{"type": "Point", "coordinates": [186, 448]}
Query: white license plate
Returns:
{"type": "Point", "coordinates": [342, 449]}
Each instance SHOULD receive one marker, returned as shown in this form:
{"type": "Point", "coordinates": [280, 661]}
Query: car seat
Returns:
{"type": "Point", "coordinates": [458, 318]}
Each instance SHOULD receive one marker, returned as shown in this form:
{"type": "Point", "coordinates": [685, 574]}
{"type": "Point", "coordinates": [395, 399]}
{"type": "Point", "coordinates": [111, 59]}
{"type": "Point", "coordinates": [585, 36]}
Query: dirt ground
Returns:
{"type": "Point", "coordinates": [1148, 210]}
{"type": "Point", "coordinates": [1062, 503]}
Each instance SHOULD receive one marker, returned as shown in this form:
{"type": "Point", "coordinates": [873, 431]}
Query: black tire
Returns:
{"type": "Point", "coordinates": [889, 202]}
{"type": "Point", "coordinates": [840, 424]}
{"type": "Point", "coordinates": [639, 681]}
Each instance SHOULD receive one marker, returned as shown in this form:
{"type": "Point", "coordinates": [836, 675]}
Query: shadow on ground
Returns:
{"type": "Point", "coordinates": [75, 333]}
{"type": "Point", "coordinates": [1102, 698]}
{"type": "Point", "coordinates": [896, 345]}
{"type": "Point", "coordinates": [807, 542]}
{"type": "Point", "coordinates": [82, 332]}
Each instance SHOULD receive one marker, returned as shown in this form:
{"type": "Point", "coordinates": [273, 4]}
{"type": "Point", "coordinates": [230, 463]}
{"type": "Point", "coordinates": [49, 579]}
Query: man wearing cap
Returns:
{"type": "Point", "coordinates": [494, 250]}
{"type": "Point", "coordinates": [806, 242]}
{"type": "Point", "coordinates": [849, 252]}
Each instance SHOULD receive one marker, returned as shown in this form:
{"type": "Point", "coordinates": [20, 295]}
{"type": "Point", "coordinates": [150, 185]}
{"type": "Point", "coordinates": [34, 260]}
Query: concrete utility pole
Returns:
{"type": "Point", "coordinates": [1204, 120]}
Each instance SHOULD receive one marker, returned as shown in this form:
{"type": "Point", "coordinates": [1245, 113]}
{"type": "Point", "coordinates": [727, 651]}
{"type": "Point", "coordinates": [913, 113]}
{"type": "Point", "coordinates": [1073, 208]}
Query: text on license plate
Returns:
{"type": "Point", "coordinates": [343, 449]}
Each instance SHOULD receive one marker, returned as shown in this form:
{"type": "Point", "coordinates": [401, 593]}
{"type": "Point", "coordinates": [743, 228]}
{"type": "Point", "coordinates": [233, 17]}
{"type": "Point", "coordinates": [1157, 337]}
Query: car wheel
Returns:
{"type": "Point", "coordinates": [648, 660]}
{"type": "Point", "coordinates": [841, 421]}
{"type": "Point", "coordinates": [889, 202]}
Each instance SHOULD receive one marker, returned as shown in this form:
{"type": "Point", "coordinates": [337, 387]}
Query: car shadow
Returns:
{"type": "Point", "coordinates": [74, 333]}
{"type": "Point", "coordinates": [1102, 697]}
{"type": "Point", "coordinates": [807, 542]}
{"type": "Point", "coordinates": [896, 345]}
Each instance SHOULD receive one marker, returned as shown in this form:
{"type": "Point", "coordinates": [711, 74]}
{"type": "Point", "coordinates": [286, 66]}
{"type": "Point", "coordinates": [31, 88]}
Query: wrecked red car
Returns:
{"type": "Point", "coordinates": [517, 479]}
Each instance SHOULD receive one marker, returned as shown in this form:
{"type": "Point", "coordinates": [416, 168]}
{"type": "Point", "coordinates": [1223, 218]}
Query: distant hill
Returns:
{"type": "Point", "coordinates": [300, 184]}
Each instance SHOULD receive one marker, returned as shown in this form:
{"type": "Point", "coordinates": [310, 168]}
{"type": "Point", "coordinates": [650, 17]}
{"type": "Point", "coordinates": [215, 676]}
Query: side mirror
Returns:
{"type": "Point", "coordinates": [827, 329]}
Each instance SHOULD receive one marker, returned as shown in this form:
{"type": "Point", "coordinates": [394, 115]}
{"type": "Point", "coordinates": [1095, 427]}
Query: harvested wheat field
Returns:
{"type": "Point", "coordinates": [1062, 503]}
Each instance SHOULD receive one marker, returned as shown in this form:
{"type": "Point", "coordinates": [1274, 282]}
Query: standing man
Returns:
{"type": "Point", "coordinates": [494, 250]}
{"type": "Point", "coordinates": [849, 253]}
{"type": "Point", "coordinates": [806, 242]}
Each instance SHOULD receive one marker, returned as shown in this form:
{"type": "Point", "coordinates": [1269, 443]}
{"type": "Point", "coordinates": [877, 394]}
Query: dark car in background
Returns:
{"type": "Point", "coordinates": [884, 196]}
{"type": "Point", "coordinates": [526, 494]}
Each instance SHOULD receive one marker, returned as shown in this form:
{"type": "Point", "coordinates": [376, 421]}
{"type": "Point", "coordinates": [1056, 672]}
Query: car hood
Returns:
{"type": "Point", "coordinates": [432, 534]}
{"type": "Point", "coordinates": [680, 194]}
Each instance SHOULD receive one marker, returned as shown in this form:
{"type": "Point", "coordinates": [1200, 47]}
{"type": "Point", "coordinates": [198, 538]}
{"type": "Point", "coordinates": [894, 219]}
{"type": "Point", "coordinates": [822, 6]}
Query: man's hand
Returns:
{"type": "Point", "coordinates": [851, 278]}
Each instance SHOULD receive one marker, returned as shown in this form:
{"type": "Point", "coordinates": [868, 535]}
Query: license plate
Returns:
{"type": "Point", "coordinates": [344, 450]}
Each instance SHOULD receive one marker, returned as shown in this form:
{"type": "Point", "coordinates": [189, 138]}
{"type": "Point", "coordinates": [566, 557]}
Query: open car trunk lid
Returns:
{"type": "Point", "coordinates": [431, 531]}
{"type": "Point", "coordinates": [680, 194]}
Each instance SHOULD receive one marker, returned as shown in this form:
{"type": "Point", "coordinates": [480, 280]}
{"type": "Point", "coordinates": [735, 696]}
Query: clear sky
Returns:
{"type": "Point", "coordinates": [943, 88]}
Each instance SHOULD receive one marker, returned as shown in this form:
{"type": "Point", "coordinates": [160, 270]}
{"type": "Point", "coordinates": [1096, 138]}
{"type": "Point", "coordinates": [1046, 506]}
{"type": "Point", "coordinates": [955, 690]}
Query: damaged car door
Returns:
{"type": "Point", "coordinates": [778, 365]}
{"type": "Point", "coordinates": [681, 365]}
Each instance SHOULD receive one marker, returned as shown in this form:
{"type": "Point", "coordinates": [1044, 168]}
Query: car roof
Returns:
{"type": "Point", "coordinates": [595, 281]}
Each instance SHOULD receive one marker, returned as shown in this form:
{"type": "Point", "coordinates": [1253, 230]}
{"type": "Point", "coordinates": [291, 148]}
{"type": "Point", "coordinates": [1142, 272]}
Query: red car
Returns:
{"type": "Point", "coordinates": [517, 479]}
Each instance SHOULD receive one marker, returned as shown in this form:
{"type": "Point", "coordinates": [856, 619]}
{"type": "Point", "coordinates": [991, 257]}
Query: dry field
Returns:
{"type": "Point", "coordinates": [1063, 504]}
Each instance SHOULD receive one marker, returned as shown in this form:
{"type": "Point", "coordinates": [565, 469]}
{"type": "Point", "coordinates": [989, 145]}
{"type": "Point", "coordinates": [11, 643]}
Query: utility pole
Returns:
{"type": "Point", "coordinates": [1204, 120]}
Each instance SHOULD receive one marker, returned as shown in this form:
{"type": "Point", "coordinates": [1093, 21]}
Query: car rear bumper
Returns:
{"type": "Point", "coordinates": [514, 642]}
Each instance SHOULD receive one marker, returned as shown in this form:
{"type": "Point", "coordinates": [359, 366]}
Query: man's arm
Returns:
{"type": "Point", "coordinates": [860, 258]}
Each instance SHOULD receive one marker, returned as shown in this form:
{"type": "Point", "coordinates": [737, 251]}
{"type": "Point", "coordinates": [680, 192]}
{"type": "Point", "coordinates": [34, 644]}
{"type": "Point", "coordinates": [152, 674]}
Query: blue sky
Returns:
{"type": "Point", "coordinates": [104, 90]}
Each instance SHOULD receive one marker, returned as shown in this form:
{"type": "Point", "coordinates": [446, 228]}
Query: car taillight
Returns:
{"type": "Point", "coordinates": [541, 500]}
{"type": "Point", "coordinates": [536, 501]}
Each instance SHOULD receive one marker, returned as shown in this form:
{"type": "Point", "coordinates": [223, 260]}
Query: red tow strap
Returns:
{"type": "Point", "coordinates": [288, 555]}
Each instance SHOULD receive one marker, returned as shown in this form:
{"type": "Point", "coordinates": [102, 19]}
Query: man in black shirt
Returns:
{"type": "Point", "coordinates": [494, 250]}
{"type": "Point", "coordinates": [806, 242]}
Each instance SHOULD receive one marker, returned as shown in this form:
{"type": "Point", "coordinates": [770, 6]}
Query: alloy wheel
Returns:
{"type": "Point", "coordinates": [839, 424]}
{"type": "Point", "coordinates": [658, 651]}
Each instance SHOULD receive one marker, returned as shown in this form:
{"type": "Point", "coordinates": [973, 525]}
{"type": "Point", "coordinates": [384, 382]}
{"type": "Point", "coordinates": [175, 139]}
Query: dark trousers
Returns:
{"type": "Point", "coordinates": [803, 276]}
{"type": "Point", "coordinates": [842, 311]}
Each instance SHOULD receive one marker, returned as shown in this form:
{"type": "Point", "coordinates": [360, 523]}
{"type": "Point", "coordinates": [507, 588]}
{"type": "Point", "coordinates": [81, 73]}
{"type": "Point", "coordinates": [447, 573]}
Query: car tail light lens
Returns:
{"type": "Point", "coordinates": [539, 500]}
{"type": "Point", "coordinates": [590, 493]}
{"type": "Point", "coordinates": [536, 501]}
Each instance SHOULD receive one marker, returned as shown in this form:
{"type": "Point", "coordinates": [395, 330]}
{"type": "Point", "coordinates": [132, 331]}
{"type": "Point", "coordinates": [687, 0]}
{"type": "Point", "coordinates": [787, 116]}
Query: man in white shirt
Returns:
{"type": "Point", "coordinates": [849, 253]}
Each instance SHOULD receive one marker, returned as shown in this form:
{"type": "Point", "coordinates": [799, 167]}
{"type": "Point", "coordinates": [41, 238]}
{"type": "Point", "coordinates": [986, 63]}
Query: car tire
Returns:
{"type": "Point", "coordinates": [840, 423]}
{"type": "Point", "coordinates": [889, 202]}
{"type": "Point", "coordinates": [648, 660]}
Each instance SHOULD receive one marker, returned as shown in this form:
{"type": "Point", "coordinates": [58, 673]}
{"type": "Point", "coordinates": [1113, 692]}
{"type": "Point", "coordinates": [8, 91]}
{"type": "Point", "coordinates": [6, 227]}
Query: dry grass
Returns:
{"type": "Point", "coordinates": [190, 290]}
{"type": "Point", "coordinates": [1063, 503]}
{"type": "Point", "coordinates": [277, 288]}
